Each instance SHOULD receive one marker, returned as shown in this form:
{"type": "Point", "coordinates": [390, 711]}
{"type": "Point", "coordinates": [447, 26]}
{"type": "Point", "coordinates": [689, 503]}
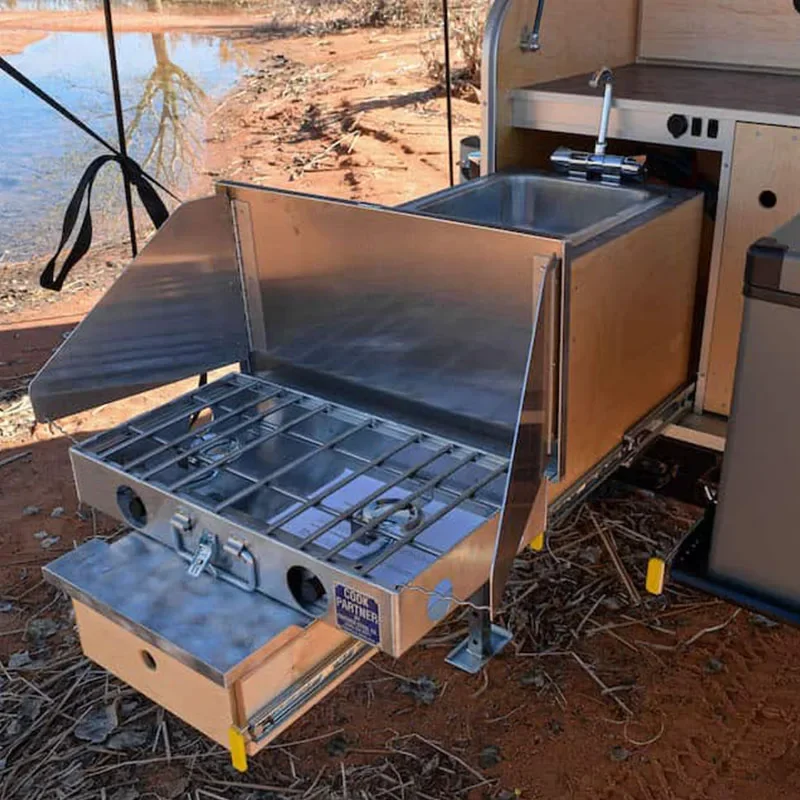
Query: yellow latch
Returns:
{"type": "Point", "coordinates": [537, 543]}
{"type": "Point", "coordinates": [656, 570]}
{"type": "Point", "coordinates": [238, 749]}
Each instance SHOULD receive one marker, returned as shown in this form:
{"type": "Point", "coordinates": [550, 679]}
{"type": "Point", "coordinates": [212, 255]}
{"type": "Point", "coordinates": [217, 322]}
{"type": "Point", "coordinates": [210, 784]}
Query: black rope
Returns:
{"type": "Point", "coordinates": [449, 90]}
{"type": "Point", "coordinates": [126, 183]}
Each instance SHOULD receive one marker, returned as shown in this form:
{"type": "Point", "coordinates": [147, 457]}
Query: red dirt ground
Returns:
{"type": "Point", "coordinates": [722, 713]}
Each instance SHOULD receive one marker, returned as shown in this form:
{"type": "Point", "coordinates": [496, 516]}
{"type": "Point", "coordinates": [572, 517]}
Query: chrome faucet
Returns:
{"type": "Point", "coordinates": [605, 78]}
{"type": "Point", "coordinates": [598, 165]}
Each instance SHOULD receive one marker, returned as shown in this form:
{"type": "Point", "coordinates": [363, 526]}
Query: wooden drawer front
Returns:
{"type": "Point", "coordinates": [206, 705]}
{"type": "Point", "coordinates": [766, 158]}
{"type": "Point", "coordinates": [165, 680]}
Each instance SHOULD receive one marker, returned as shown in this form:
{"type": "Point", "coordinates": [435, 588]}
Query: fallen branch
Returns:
{"type": "Point", "coordinates": [19, 456]}
{"type": "Point", "coordinates": [713, 629]}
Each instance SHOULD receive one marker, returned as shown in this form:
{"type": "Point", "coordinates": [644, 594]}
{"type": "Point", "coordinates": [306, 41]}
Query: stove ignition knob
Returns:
{"type": "Point", "coordinates": [677, 125]}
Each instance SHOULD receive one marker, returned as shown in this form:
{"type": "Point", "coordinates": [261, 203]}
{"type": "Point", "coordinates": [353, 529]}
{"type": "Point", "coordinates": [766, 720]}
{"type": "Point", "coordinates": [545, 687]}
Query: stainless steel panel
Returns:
{"type": "Point", "coordinates": [421, 319]}
{"type": "Point", "coordinates": [540, 203]}
{"type": "Point", "coordinates": [176, 311]}
{"type": "Point", "coordinates": [755, 539]}
{"type": "Point", "coordinates": [525, 501]}
{"type": "Point", "coordinates": [631, 120]}
{"type": "Point", "coordinates": [495, 21]}
{"type": "Point", "coordinates": [208, 625]}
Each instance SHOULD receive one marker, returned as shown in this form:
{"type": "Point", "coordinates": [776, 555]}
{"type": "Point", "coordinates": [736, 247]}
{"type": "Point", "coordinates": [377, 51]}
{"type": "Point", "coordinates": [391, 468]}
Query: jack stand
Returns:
{"type": "Point", "coordinates": [484, 639]}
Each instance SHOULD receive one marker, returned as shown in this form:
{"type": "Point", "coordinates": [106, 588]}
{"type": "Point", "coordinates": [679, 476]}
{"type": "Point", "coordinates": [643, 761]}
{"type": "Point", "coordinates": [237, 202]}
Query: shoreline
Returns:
{"type": "Point", "coordinates": [12, 43]}
{"type": "Point", "coordinates": [126, 21]}
{"type": "Point", "coordinates": [20, 29]}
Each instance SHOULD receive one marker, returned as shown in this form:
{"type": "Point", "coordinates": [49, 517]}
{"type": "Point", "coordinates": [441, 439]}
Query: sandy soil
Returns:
{"type": "Point", "coordinates": [715, 712]}
{"type": "Point", "coordinates": [16, 41]}
{"type": "Point", "coordinates": [354, 115]}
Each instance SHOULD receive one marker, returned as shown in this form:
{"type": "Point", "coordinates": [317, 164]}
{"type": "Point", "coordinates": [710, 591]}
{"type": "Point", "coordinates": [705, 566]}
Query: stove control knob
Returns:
{"type": "Point", "coordinates": [677, 125]}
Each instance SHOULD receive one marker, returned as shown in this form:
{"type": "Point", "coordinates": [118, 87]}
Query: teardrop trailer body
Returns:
{"type": "Point", "coordinates": [421, 390]}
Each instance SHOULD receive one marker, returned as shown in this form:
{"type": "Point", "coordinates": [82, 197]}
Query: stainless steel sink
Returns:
{"type": "Point", "coordinates": [540, 203]}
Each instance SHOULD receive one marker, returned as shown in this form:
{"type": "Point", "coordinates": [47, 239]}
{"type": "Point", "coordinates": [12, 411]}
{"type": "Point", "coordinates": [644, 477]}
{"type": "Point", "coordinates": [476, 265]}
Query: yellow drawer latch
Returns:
{"type": "Point", "coordinates": [238, 749]}
{"type": "Point", "coordinates": [656, 571]}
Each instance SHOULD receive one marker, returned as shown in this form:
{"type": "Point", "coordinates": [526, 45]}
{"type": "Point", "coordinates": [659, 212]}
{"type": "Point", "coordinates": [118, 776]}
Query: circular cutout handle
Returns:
{"type": "Point", "coordinates": [149, 661]}
{"type": "Point", "coordinates": [768, 198]}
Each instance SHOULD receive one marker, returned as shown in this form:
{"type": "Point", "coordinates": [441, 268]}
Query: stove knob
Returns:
{"type": "Point", "coordinates": [677, 125]}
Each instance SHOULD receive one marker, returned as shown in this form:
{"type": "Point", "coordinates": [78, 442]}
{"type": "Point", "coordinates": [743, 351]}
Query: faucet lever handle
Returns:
{"type": "Point", "coordinates": [603, 76]}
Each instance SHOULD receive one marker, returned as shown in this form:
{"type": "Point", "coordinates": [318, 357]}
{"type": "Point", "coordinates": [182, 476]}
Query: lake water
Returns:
{"type": "Point", "coordinates": [169, 81]}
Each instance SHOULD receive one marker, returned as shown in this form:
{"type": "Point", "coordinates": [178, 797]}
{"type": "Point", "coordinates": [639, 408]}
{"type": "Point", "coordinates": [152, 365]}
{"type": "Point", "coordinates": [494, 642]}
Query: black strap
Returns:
{"type": "Point", "coordinates": [143, 182]}
{"type": "Point", "coordinates": [152, 203]}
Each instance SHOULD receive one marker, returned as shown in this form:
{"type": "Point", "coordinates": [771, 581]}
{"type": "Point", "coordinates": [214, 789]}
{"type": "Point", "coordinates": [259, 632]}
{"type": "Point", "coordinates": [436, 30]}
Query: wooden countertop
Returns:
{"type": "Point", "coordinates": [755, 92]}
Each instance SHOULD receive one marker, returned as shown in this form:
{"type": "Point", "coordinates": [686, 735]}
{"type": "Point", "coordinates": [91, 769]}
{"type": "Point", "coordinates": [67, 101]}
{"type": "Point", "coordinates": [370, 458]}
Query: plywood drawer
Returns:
{"type": "Point", "coordinates": [220, 658]}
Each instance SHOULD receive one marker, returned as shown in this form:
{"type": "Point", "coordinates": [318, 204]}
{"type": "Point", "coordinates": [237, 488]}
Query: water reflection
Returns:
{"type": "Point", "coordinates": [171, 97]}
{"type": "Point", "coordinates": [167, 83]}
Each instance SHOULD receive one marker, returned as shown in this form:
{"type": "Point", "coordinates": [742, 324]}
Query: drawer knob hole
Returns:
{"type": "Point", "coordinates": [768, 199]}
{"type": "Point", "coordinates": [149, 661]}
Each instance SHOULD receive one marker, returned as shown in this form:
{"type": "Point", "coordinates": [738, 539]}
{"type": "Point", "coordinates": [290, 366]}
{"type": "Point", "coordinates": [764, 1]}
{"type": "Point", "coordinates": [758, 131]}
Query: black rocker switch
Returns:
{"type": "Point", "coordinates": [713, 128]}
{"type": "Point", "coordinates": [677, 125]}
{"type": "Point", "coordinates": [697, 126]}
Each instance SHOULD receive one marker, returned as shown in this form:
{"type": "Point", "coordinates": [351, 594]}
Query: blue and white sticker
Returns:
{"type": "Point", "coordinates": [357, 614]}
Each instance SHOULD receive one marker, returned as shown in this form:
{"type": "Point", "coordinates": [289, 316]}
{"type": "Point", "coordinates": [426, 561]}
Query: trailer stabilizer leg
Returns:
{"type": "Point", "coordinates": [484, 639]}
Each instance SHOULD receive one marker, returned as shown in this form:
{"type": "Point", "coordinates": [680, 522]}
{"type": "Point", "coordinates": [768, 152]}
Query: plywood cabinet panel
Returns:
{"type": "Point", "coordinates": [631, 305]}
{"type": "Point", "coordinates": [766, 159]}
{"type": "Point", "coordinates": [576, 36]}
{"type": "Point", "coordinates": [764, 34]}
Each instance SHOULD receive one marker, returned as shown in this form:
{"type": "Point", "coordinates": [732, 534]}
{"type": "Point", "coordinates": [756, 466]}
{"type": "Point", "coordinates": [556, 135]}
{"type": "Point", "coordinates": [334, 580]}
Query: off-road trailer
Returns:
{"type": "Point", "coordinates": [420, 389]}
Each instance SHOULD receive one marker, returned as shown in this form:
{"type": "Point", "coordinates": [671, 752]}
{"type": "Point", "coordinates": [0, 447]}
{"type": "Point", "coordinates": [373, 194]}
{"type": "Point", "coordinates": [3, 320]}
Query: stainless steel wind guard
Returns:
{"type": "Point", "coordinates": [428, 318]}
{"type": "Point", "coordinates": [176, 311]}
{"type": "Point", "coordinates": [525, 506]}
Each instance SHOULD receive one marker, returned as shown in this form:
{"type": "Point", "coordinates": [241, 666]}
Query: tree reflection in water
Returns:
{"type": "Point", "coordinates": [172, 99]}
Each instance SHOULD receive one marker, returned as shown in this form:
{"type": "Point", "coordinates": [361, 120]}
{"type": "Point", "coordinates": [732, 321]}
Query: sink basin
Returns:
{"type": "Point", "coordinates": [540, 203]}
